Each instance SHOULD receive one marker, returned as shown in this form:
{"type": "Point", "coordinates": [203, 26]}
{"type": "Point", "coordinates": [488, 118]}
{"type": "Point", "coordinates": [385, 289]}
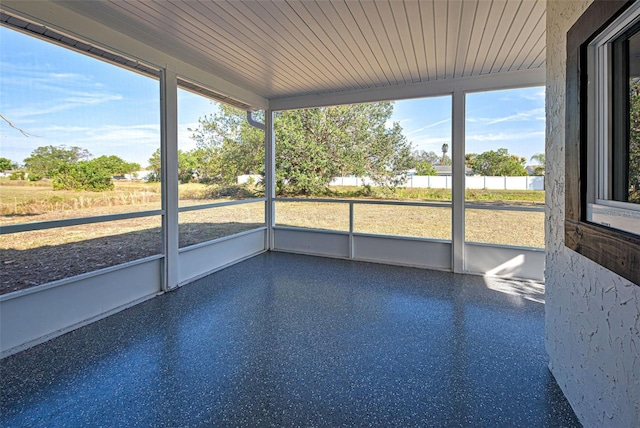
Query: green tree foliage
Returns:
{"type": "Point", "coordinates": [634, 140]}
{"type": "Point", "coordinates": [445, 160]}
{"type": "Point", "coordinates": [317, 144]}
{"type": "Point", "coordinates": [424, 156]}
{"type": "Point", "coordinates": [115, 165]}
{"type": "Point", "coordinates": [6, 164]}
{"type": "Point", "coordinates": [313, 146]}
{"type": "Point", "coordinates": [425, 168]}
{"type": "Point", "coordinates": [82, 175]}
{"type": "Point", "coordinates": [540, 158]}
{"type": "Point", "coordinates": [188, 165]}
{"type": "Point", "coordinates": [496, 163]}
{"type": "Point", "coordinates": [227, 146]}
{"type": "Point", "coordinates": [46, 161]}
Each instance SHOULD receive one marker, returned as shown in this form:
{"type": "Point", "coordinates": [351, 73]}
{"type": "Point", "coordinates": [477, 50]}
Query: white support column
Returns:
{"type": "Point", "coordinates": [270, 177]}
{"type": "Point", "coordinates": [169, 152]}
{"type": "Point", "coordinates": [458, 185]}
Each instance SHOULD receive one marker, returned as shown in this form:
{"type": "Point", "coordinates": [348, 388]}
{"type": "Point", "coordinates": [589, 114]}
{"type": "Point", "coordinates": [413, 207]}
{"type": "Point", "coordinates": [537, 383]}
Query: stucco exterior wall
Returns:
{"type": "Point", "coordinates": [592, 315]}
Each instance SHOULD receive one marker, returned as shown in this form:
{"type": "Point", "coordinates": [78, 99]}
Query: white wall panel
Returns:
{"type": "Point", "coordinates": [510, 262]}
{"type": "Point", "coordinates": [403, 251]}
{"type": "Point", "coordinates": [199, 260]}
{"type": "Point", "coordinates": [31, 316]}
{"type": "Point", "coordinates": [323, 243]}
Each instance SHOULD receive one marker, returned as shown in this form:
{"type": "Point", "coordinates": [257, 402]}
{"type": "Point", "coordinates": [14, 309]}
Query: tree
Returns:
{"type": "Point", "coordinates": [46, 161]}
{"type": "Point", "coordinates": [424, 156]}
{"type": "Point", "coordinates": [425, 168]}
{"type": "Point", "coordinates": [227, 145]}
{"type": "Point", "coordinates": [82, 175]}
{"type": "Point", "coordinates": [6, 164]}
{"type": "Point", "coordinates": [496, 163]}
{"type": "Point", "coordinates": [445, 160]}
{"type": "Point", "coordinates": [187, 166]}
{"type": "Point", "coordinates": [314, 145]}
{"type": "Point", "coordinates": [115, 165]}
{"type": "Point", "coordinates": [540, 158]}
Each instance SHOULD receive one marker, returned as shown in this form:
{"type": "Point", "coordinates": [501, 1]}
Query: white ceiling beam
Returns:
{"type": "Point", "coordinates": [487, 82]}
{"type": "Point", "coordinates": [63, 20]}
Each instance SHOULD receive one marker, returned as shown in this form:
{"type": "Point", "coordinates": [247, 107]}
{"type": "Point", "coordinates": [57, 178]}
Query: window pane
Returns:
{"type": "Point", "coordinates": [83, 133]}
{"type": "Point", "coordinates": [313, 215]}
{"type": "Point", "coordinates": [505, 161]}
{"type": "Point", "coordinates": [41, 256]}
{"type": "Point", "coordinates": [419, 222]}
{"type": "Point", "coordinates": [212, 223]}
{"type": "Point", "coordinates": [519, 228]}
{"type": "Point", "coordinates": [633, 149]}
{"type": "Point", "coordinates": [220, 155]}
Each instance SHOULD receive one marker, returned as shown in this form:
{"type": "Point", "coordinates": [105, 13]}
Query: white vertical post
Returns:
{"type": "Point", "coordinates": [351, 248]}
{"type": "Point", "coordinates": [458, 186]}
{"type": "Point", "coordinates": [169, 155]}
{"type": "Point", "coordinates": [270, 177]}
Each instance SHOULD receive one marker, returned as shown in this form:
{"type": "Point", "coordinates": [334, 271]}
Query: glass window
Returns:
{"type": "Point", "coordinates": [614, 188]}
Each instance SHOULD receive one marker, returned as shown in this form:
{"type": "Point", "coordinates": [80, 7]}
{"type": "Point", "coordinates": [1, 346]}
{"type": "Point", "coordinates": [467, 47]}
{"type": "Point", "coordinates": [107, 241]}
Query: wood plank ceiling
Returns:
{"type": "Point", "coordinates": [289, 48]}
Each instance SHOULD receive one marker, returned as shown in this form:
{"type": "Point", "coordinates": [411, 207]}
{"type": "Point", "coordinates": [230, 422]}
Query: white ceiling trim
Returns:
{"type": "Point", "coordinates": [487, 82]}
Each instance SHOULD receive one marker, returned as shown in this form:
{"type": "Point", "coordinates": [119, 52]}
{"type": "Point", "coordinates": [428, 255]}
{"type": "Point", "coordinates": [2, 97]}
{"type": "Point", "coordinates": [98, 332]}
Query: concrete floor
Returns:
{"type": "Point", "coordinates": [289, 340]}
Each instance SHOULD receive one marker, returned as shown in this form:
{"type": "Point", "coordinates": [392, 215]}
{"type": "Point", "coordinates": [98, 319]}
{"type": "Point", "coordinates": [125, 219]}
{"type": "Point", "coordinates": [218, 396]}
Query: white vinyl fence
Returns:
{"type": "Point", "coordinates": [444, 182]}
{"type": "Point", "coordinates": [439, 182]}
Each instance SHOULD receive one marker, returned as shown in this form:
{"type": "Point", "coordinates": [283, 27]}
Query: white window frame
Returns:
{"type": "Point", "coordinates": [601, 208]}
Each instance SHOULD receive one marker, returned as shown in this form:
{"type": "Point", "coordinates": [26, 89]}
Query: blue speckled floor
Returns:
{"type": "Point", "coordinates": [288, 340]}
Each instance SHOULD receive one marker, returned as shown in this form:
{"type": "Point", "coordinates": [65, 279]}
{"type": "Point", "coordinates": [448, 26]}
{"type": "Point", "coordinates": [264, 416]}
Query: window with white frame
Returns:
{"type": "Point", "coordinates": [613, 115]}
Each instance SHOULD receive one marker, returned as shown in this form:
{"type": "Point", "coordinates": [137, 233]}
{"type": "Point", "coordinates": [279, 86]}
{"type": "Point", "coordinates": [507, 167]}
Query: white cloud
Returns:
{"type": "Point", "coordinates": [529, 115]}
{"type": "Point", "coordinates": [501, 136]}
{"type": "Point", "coordinates": [431, 125]}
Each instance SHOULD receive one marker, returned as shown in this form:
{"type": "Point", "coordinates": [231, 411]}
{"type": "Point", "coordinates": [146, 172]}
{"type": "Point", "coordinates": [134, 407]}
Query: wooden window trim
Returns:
{"type": "Point", "coordinates": [613, 249]}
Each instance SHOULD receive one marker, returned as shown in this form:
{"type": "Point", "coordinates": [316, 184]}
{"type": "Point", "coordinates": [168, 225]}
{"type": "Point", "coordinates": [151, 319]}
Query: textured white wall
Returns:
{"type": "Point", "coordinates": [592, 315]}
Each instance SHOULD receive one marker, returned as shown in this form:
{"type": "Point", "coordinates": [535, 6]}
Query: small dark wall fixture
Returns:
{"type": "Point", "coordinates": [616, 250]}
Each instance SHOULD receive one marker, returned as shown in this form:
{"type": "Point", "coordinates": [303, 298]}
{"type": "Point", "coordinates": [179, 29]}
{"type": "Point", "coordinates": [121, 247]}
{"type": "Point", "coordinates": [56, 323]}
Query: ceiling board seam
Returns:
{"type": "Point", "coordinates": [540, 54]}
{"type": "Point", "coordinates": [294, 39]}
{"type": "Point", "coordinates": [366, 68]}
{"type": "Point", "coordinates": [413, 47]}
{"type": "Point", "coordinates": [379, 71]}
{"type": "Point", "coordinates": [524, 60]}
{"type": "Point", "coordinates": [353, 71]}
{"type": "Point", "coordinates": [393, 23]}
{"type": "Point", "coordinates": [493, 37]}
{"type": "Point", "coordinates": [517, 37]}
{"type": "Point", "coordinates": [259, 40]}
{"type": "Point", "coordinates": [337, 73]}
{"type": "Point", "coordinates": [484, 27]}
{"type": "Point", "coordinates": [435, 37]}
{"type": "Point", "coordinates": [526, 43]}
{"type": "Point", "coordinates": [504, 39]}
{"type": "Point", "coordinates": [424, 44]}
{"type": "Point", "coordinates": [384, 51]}
{"type": "Point", "coordinates": [309, 66]}
{"type": "Point", "coordinates": [145, 19]}
{"type": "Point", "coordinates": [376, 39]}
{"type": "Point", "coordinates": [216, 41]}
{"type": "Point", "coordinates": [468, 44]}
{"type": "Point", "coordinates": [380, 44]}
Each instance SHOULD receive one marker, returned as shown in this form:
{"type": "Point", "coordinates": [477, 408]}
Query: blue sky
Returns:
{"type": "Point", "coordinates": [61, 97]}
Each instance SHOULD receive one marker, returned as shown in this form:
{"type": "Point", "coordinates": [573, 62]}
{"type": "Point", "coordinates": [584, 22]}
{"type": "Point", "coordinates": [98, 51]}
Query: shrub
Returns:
{"type": "Point", "coordinates": [16, 175]}
{"type": "Point", "coordinates": [82, 176]}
